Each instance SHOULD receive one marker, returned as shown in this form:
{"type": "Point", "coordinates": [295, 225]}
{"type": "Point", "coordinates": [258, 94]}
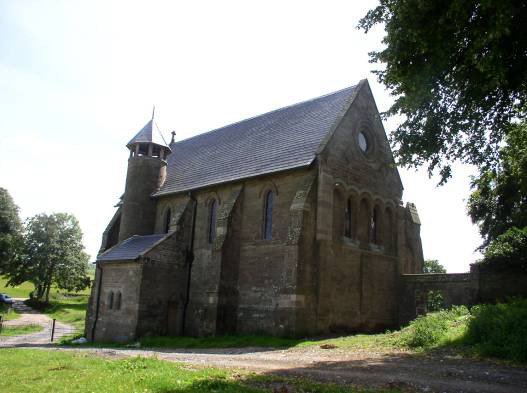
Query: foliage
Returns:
{"type": "Point", "coordinates": [500, 330]}
{"type": "Point", "coordinates": [55, 255]}
{"type": "Point", "coordinates": [433, 266]}
{"type": "Point", "coordinates": [27, 370]}
{"type": "Point", "coordinates": [458, 71]}
{"type": "Point", "coordinates": [429, 330]}
{"type": "Point", "coordinates": [11, 245]}
{"type": "Point", "coordinates": [499, 200]}
{"type": "Point", "coordinates": [507, 250]}
{"type": "Point", "coordinates": [434, 300]}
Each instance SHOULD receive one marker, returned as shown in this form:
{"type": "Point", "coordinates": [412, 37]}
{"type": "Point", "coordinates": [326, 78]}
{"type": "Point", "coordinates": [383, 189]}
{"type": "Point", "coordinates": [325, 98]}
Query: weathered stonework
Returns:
{"type": "Point", "coordinates": [314, 276]}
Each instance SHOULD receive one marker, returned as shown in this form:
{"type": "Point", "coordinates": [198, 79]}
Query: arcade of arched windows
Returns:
{"type": "Point", "coordinates": [363, 220]}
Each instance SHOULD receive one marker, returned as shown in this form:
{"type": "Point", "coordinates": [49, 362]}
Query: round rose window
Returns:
{"type": "Point", "coordinates": [363, 142]}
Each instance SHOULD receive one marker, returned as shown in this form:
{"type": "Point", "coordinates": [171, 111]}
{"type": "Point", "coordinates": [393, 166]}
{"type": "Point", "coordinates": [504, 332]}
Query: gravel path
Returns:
{"type": "Point", "coordinates": [431, 373]}
{"type": "Point", "coordinates": [29, 316]}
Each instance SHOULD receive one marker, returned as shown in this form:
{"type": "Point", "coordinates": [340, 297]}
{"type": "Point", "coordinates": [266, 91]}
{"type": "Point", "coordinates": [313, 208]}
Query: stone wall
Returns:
{"type": "Point", "coordinates": [144, 176]}
{"type": "Point", "coordinates": [164, 286]}
{"type": "Point", "coordinates": [359, 267]}
{"type": "Point", "coordinates": [497, 283]}
{"type": "Point", "coordinates": [455, 288]}
{"type": "Point", "coordinates": [115, 317]}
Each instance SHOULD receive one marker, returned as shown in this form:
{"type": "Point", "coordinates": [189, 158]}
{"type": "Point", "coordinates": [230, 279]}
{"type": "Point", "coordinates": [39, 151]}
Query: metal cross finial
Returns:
{"type": "Point", "coordinates": [173, 136]}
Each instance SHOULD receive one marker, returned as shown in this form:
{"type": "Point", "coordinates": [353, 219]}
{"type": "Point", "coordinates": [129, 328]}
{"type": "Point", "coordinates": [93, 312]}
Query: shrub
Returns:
{"type": "Point", "coordinates": [500, 330]}
{"type": "Point", "coordinates": [431, 329]}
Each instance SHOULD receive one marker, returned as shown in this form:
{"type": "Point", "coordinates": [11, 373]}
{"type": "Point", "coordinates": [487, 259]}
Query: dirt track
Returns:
{"type": "Point", "coordinates": [29, 316]}
{"type": "Point", "coordinates": [437, 373]}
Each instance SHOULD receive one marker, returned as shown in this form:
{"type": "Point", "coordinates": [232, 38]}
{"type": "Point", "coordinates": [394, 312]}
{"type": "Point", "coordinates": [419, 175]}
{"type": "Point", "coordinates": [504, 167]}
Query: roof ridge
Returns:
{"type": "Point", "coordinates": [268, 113]}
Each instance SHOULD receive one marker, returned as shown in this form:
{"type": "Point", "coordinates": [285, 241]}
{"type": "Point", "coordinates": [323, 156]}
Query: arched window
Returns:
{"type": "Point", "coordinates": [389, 241]}
{"type": "Point", "coordinates": [268, 216]}
{"type": "Point", "coordinates": [110, 300]}
{"type": "Point", "coordinates": [168, 218]}
{"type": "Point", "coordinates": [118, 301]}
{"type": "Point", "coordinates": [212, 221]}
{"type": "Point", "coordinates": [375, 226]}
{"type": "Point", "coordinates": [365, 221]}
{"type": "Point", "coordinates": [348, 219]}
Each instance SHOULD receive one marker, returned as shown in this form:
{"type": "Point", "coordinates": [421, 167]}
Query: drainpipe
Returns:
{"type": "Point", "coordinates": [97, 303]}
{"type": "Point", "coordinates": [190, 259]}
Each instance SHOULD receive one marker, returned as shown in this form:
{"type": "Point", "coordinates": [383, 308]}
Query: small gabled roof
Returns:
{"type": "Point", "coordinates": [131, 248]}
{"type": "Point", "coordinates": [150, 133]}
{"type": "Point", "coordinates": [283, 139]}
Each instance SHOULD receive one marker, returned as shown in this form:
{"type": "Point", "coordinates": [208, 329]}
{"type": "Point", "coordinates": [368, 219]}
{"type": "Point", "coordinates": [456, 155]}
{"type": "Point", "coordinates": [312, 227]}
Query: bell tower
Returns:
{"type": "Point", "coordinates": [147, 168]}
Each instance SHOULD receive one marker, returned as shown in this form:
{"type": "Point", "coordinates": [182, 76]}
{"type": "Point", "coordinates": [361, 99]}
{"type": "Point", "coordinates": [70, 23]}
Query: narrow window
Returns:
{"type": "Point", "coordinates": [268, 218]}
{"type": "Point", "coordinates": [348, 219]}
{"type": "Point", "coordinates": [118, 301]}
{"type": "Point", "coordinates": [374, 237]}
{"type": "Point", "coordinates": [212, 221]}
{"type": "Point", "coordinates": [110, 300]}
{"type": "Point", "coordinates": [168, 218]}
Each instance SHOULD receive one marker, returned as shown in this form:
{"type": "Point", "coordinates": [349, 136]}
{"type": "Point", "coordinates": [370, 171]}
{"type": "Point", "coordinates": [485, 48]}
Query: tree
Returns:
{"type": "Point", "coordinates": [458, 70]}
{"type": "Point", "coordinates": [10, 232]}
{"type": "Point", "coordinates": [433, 266]}
{"type": "Point", "coordinates": [507, 250]}
{"type": "Point", "coordinates": [55, 255]}
{"type": "Point", "coordinates": [499, 200]}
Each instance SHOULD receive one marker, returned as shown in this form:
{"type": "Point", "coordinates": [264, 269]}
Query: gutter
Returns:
{"type": "Point", "coordinates": [97, 304]}
{"type": "Point", "coordinates": [190, 259]}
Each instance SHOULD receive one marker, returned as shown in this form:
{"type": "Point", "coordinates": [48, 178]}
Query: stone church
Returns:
{"type": "Point", "coordinates": [290, 223]}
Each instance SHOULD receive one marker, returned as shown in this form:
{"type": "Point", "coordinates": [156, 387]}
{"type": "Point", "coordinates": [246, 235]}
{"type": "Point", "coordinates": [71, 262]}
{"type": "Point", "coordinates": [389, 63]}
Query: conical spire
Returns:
{"type": "Point", "coordinates": [150, 133]}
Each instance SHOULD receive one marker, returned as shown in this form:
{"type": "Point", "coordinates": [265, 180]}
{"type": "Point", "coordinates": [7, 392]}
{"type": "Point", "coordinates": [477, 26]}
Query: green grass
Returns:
{"type": "Point", "coordinates": [23, 370]}
{"type": "Point", "coordinates": [19, 330]}
{"type": "Point", "coordinates": [7, 313]}
{"type": "Point", "coordinates": [21, 290]}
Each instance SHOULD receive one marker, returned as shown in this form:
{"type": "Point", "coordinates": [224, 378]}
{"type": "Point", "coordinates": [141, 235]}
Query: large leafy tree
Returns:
{"type": "Point", "coordinates": [11, 244]}
{"type": "Point", "coordinates": [499, 200]}
{"type": "Point", "coordinates": [433, 266]}
{"type": "Point", "coordinates": [458, 70]}
{"type": "Point", "coordinates": [55, 255]}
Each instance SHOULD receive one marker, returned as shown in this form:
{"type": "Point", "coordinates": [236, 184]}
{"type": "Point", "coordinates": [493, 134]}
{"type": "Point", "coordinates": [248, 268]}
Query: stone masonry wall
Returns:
{"type": "Point", "coordinates": [358, 272]}
{"type": "Point", "coordinates": [117, 323]}
{"type": "Point", "coordinates": [165, 278]}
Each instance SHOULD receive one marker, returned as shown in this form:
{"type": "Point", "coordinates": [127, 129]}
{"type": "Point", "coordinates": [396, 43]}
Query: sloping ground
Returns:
{"type": "Point", "coordinates": [29, 317]}
{"type": "Point", "coordinates": [430, 373]}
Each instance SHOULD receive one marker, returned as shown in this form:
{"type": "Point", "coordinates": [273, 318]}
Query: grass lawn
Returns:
{"type": "Point", "coordinates": [21, 290]}
{"type": "Point", "coordinates": [19, 330]}
{"type": "Point", "coordinates": [7, 313]}
{"type": "Point", "coordinates": [23, 370]}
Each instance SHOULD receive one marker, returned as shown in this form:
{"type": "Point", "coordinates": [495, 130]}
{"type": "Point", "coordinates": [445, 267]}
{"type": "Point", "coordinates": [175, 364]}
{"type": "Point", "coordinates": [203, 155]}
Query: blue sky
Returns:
{"type": "Point", "coordinates": [78, 79]}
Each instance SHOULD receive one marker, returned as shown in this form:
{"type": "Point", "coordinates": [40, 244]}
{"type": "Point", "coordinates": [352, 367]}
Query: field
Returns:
{"type": "Point", "coordinates": [24, 371]}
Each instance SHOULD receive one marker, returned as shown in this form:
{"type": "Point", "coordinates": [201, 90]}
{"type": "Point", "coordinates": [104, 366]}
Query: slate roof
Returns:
{"type": "Point", "coordinates": [131, 248]}
{"type": "Point", "coordinates": [150, 133]}
{"type": "Point", "coordinates": [283, 139]}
